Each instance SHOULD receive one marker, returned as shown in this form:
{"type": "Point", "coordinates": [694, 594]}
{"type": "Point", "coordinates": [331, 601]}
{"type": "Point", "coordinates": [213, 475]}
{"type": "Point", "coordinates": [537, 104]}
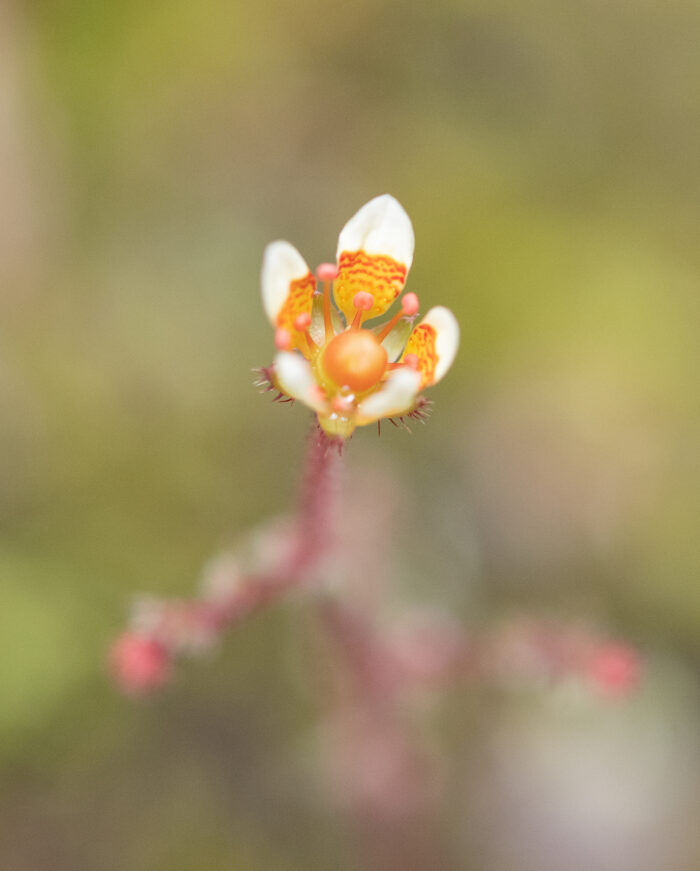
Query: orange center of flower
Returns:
{"type": "Point", "coordinates": [355, 359]}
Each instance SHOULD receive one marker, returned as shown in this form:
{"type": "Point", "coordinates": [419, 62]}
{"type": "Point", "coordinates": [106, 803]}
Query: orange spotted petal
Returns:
{"type": "Point", "coordinates": [288, 288]}
{"type": "Point", "coordinates": [375, 252]}
{"type": "Point", "coordinates": [434, 342]}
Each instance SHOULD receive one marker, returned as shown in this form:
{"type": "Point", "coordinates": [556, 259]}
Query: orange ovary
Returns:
{"type": "Point", "coordinates": [377, 274]}
{"type": "Point", "coordinates": [298, 302]}
{"type": "Point", "coordinates": [355, 359]}
{"type": "Point", "coordinates": [421, 343]}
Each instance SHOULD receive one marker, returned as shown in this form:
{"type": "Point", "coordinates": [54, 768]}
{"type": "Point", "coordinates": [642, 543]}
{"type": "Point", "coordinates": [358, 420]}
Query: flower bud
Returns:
{"type": "Point", "coordinates": [139, 664]}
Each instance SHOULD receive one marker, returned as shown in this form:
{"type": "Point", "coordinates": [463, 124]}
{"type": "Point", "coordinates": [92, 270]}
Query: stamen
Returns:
{"type": "Point", "coordinates": [302, 324]}
{"type": "Point", "coordinates": [409, 308]}
{"type": "Point", "coordinates": [327, 273]}
{"type": "Point", "coordinates": [283, 339]}
{"type": "Point", "coordinates": [363, 302]}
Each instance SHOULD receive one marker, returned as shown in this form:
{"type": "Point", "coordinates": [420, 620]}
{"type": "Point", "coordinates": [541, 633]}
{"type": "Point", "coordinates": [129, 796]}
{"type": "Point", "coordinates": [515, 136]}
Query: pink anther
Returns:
{"type": "Point", "coordinates": [326, 272]}
{"type": "Point", "coordinates": [363, 301]}
{"type": "Point", "coordinates": [411, 360]}
{"type": "Point", "coordinates": [302, 322]}
{"type": "Point", "coordinates": [410, 304]}
{"type": "Point", "coordinates": [283, 340]}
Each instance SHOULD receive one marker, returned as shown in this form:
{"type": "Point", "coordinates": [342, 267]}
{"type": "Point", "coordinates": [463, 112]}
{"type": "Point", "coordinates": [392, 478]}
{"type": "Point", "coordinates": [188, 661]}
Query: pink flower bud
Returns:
{"type": "Point", "coordinates": [138, 664]}
{"type": "Point", "coordinates": [615, 668]}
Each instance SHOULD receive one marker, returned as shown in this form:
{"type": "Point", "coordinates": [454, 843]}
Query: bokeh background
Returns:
{"type": "Point", "coordinates": [549, 156]}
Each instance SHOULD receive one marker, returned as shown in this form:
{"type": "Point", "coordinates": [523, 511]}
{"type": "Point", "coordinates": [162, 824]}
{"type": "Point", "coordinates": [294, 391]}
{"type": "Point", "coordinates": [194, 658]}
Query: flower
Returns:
{"type": "Point", "coordinates": [348, 374]}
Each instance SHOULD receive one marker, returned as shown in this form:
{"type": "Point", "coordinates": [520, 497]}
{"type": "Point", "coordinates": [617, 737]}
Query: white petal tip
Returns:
{"type": "Point", "coordinates": [295, 378]}
{"type": "Point", "coordinates": [282, 264]}
{"type": "Point", "coordinates": [381, 226]}
{"type": "Point", "coordinates": [396, 397]}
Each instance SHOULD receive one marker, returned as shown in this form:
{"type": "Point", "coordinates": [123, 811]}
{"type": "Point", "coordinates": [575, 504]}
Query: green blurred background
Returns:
{"type": "Point", "coordinates": [549, 156]}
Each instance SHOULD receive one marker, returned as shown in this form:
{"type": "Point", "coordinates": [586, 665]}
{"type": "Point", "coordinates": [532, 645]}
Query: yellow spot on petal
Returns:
{"type": "Point", "coordinates": [299, 301]}
{"type": "Point", "coordinates": [421, 343]}
{"type": "Point", "coordinates": [377, 274]}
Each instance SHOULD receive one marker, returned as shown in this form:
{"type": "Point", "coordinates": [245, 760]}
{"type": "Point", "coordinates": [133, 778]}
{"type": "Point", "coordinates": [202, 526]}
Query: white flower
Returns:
{"type": "Point", "coordinates": [348, 374]}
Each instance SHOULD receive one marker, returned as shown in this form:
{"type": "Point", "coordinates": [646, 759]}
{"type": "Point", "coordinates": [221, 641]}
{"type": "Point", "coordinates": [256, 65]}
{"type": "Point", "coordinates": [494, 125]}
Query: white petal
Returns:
{"type": "Point", "coordinates": [380, 227]}
{"type": "Point", "coordinates": [446, 329]}
{"type": "Point", "coordinates": [282, 264]}
{"type": "Point", "coordinates": [395, 398]}
{"type": "Point", "coordinates": [295, 378]}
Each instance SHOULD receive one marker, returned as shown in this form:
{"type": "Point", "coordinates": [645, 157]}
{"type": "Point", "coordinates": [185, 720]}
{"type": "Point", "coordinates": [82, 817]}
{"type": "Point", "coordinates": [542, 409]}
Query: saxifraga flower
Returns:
{"type": "Point", "coordinates": [348, 374]}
